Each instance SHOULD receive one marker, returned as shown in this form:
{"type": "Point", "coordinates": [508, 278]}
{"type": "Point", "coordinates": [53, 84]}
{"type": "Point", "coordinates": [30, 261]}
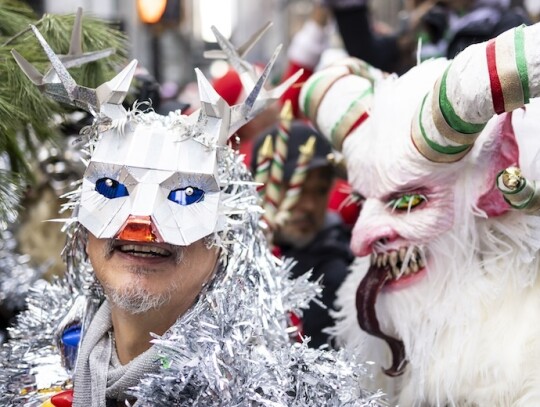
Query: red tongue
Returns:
{"type": "Point", "coordinates": [366, 296]}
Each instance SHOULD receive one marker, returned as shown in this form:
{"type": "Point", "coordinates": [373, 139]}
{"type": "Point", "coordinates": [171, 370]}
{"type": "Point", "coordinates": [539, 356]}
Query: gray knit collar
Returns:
{"type": "Point", "coordinates": [99, 374]}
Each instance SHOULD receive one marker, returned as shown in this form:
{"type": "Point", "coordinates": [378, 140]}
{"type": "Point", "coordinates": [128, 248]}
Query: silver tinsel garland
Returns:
{"type": "Point", "coordinates": [242, 355]}
{"type": "Point", "coordinates": [31, 363]}
{"type": "Point", "coordinates": [230, 349]}
{"type": "Point", "coordinates": [16, 273]}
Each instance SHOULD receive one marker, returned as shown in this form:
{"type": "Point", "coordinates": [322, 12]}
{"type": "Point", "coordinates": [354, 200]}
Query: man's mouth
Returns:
{"type": "Point", "coordinates": [404, 262]}
{"type": "Point", "coordinates": [142, 250]}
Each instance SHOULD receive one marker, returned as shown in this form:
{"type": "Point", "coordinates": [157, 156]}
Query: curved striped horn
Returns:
{"type": "Point", "coordinates": [351, 79]}
{"type": "Point", "coordinates": [485, 79]}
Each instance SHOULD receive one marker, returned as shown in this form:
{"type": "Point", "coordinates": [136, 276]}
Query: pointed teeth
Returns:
{"type": "Point", "coordinates": [393, 258]}
{"type": "Point", "coordinates": [402, 253]}
{"type": "Point", "coordinates": [396, 258]}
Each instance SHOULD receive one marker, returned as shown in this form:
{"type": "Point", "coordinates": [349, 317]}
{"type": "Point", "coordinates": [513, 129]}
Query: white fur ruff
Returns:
{"type": "Point", "coordinates": [471, 328]}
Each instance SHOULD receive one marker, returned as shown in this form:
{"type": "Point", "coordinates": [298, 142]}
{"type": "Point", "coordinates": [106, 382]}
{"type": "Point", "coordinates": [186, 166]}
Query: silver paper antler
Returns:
{"type": "Point", "coordinates": [258, 99]}
{"type": "Point", "coordinates": [75, 56]}
{"type": "Point", "coordinates": [243, 49]}
{"type": "Point", "coordinates": [60, 85]}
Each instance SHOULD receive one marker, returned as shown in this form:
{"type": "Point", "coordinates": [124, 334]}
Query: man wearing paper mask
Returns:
{"type": "Point", "coordinates": [166, 219]}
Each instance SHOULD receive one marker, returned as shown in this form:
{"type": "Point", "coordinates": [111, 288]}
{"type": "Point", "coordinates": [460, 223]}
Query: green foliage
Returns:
{"type": "Point", "coordinates": [23, 109]}
{"type": "Point", "coordinates": [14, 15]}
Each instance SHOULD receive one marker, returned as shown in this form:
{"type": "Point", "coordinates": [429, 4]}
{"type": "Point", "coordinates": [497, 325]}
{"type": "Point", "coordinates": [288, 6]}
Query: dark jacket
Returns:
{"type": "Point", "coordinates": [329, 256]}
{"type": "Point", "coordinates": [360, 41]}
{"type": "Point", "coordinates": [485, 29]}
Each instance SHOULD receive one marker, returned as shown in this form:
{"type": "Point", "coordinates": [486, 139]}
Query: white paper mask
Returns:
{"type": "Point", "coordinates": [153, 177]}
{"type": "Point", "coordinates": [151, 182]}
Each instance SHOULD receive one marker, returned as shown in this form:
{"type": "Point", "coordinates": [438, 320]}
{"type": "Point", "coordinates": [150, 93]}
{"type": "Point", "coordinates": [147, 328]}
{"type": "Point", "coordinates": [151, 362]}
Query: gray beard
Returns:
{"type": "Point", "coordinates": [135, 299]}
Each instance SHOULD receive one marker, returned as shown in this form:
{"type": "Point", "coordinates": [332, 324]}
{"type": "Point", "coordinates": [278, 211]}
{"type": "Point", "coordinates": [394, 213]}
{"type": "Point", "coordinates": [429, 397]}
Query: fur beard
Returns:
{"type": "Point", "coordinates": [471, 326]}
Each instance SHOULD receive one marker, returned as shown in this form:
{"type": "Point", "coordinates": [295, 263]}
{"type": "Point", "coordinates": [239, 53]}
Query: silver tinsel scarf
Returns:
{"type": "Point", "coordinates": [230, 349]}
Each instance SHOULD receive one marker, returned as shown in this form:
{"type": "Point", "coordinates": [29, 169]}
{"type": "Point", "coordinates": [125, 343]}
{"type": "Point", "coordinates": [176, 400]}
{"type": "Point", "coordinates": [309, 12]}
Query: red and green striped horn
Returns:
{"type": "Point", "coordinates": [485, 79]}
{"type": "Point", "coordinates": [353, 80]}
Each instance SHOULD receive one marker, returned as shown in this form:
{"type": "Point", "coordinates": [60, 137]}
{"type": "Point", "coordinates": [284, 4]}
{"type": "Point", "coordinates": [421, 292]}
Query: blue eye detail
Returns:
{"type": "Point", "coordinates": [186, 196]}
{"type": "Point", "coordinates": [111, 188]}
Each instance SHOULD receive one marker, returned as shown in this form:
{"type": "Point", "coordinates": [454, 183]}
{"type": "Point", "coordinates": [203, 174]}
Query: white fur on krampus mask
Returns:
{"type": "Point", "coordinates": [423, 153]}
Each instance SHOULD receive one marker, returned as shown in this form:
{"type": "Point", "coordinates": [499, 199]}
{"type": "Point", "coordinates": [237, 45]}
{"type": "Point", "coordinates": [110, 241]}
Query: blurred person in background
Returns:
{"type": "Point", "coordinates": [452, 25]}
{"type": "Point", "coordinates": [388, 50]}
{"type": "Point", "coordinates": [533, 9]}
{"type": "Point", "coordinates": [306, 231]}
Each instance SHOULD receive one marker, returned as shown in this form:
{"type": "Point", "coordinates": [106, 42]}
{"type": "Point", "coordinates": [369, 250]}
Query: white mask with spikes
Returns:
{"type": "Point", "coordinates": [155, 178]}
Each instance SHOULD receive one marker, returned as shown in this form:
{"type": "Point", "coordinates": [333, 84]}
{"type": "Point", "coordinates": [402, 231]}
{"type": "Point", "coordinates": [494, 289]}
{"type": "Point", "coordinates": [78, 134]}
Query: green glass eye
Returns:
{"type": "Point", "coordinates": [407, 201]}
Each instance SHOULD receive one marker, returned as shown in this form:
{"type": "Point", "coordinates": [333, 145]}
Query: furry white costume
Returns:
{"type": "Point", "coordinates": [453, 285]}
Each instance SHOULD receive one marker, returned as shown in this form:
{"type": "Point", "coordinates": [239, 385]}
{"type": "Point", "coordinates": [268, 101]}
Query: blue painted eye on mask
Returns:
{"type": "Point", "coordinates": [111, 188]}
{"type": "Point", "coordinates": [186, 196]}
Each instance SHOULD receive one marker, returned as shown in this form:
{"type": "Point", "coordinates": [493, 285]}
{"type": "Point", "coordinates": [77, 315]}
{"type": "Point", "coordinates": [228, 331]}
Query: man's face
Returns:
{"type": "Point", "coordinates": [138, 277]}
{"type": "Point", "coordinates": [307, 216]}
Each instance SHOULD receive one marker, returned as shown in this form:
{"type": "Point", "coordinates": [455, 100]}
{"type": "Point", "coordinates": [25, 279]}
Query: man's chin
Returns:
{"type": "Point", "coordinates": [136, 300]}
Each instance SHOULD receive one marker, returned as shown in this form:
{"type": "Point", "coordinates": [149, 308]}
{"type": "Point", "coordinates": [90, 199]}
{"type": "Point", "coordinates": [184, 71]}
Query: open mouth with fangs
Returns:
{"type": "Point", "coordinates": [405, 266]}
{"type": "Point", "coordinates": [143, 250]}
{"type": "Point", "coordinates": [390, 269]}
